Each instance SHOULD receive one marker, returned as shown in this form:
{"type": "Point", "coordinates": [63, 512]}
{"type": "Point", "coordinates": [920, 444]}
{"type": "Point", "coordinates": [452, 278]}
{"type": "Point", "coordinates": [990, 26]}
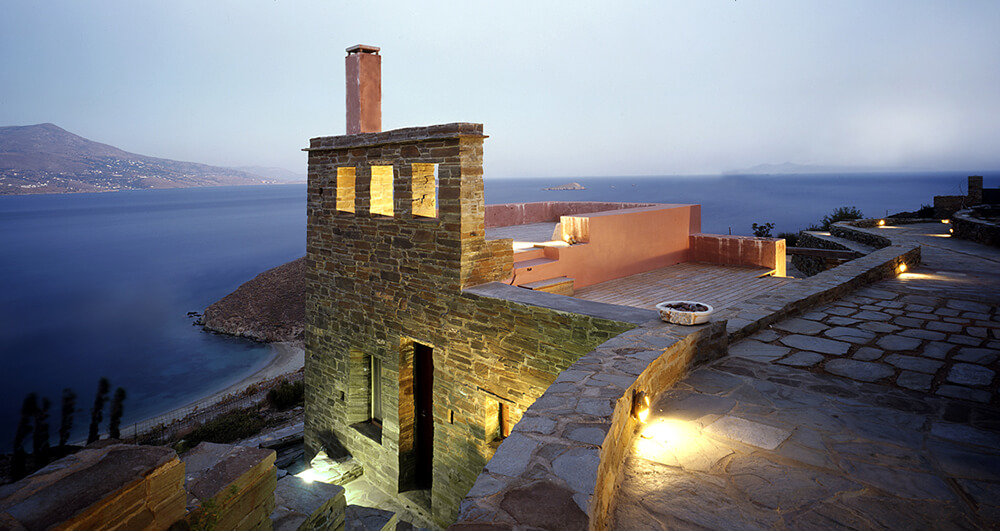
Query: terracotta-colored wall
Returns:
{"type": "Point", "coordinates": [619, 243]}
{"type": "Point", "coordinates": [523, 213]}
{"type": "Point", "coordinates": [739, 250]}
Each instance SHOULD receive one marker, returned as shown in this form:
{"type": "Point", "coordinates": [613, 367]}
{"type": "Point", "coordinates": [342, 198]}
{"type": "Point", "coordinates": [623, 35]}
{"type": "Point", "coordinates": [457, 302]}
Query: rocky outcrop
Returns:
{"type": "Point", "coordinates": [271, 307]}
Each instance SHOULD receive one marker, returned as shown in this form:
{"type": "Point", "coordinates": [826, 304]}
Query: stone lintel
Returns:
{"type": "Point", "coordinates": [405, 135]}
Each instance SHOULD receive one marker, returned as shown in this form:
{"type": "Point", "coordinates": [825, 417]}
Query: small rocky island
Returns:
{"type": "Point", "coordinates": [567, 186]}
{"type": "Point", "coordinates": [271, 307]}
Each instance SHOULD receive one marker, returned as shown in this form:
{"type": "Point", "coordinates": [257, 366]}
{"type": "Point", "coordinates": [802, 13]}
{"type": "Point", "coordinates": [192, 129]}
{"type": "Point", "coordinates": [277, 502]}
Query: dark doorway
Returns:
{"type": "Point", "coordinates": [423, 395]}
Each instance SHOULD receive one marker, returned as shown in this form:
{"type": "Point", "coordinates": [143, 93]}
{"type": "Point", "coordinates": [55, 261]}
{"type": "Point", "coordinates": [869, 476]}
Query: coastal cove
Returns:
{"type": "Point", "coordinates": [100, 285]}
{"type": "Point", "coordinates": [96, 285]}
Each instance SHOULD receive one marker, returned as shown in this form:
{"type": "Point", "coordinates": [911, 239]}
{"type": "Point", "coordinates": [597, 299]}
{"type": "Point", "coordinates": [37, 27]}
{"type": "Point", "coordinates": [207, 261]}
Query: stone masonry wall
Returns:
{"type": "Point", "coordinates": [967, 227]}
{"type": "Point", "coordinates": [378, 286]}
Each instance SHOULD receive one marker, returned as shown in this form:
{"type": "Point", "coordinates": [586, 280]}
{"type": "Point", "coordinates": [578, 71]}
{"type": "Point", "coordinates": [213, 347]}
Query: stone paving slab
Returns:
{"type": "Point", "coordinates": [749, 445]}
{"type": "Point", "coordinates": [877, 410]}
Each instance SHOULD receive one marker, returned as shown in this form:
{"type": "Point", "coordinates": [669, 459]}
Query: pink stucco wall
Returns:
{"type": "Point", "coordinates": [618, 243]}
{"type": "Point", "coordinates": [523, 213]}
{"type": "Point", "coordinates": [739, 250]}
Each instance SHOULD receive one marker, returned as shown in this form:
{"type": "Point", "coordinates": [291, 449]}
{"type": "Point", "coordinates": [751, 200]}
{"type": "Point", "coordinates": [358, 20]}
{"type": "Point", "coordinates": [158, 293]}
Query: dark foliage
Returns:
{"type": "Point", "coordinates": [286, 395]}
{"type": "Point", "coordinates": [66, 419]}
{"type": "Point", "coordinates": [18, 465]}
{"type": "Point", "coordinates": [227, 428]}
{"type": "Point", "coordinates": [841, 214]}
{"type": "Point", "coordinates": [116, 413]}
{"type": "Point", "coordinates": [97, 412]}
{"type": "Point", "coordinates": [791, 238]}
{"type": "Point", "coordinates": [40, 442]}
{"type": "Point", "coordinates": [762, 231]}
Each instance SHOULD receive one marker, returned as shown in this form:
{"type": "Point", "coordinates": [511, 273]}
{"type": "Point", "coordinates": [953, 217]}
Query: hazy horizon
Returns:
{"type": "Point", "coordinates": [585, 89]}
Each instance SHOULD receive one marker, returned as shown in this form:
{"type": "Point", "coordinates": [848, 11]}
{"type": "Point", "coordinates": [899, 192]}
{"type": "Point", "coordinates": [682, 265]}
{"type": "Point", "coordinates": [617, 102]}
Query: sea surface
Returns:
{"type": "Point", "coordinates": [100, 285]}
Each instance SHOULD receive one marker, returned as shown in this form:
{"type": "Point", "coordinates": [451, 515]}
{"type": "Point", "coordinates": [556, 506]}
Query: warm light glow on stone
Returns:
{"type": "Point", "coordinates": [307, 475]}
{"type": "Point", "coordinates": [881, 223]}
{"type": "Point", "coordinates": [902, 268]}
{"type": "Point", "coordinates": [676, 438]}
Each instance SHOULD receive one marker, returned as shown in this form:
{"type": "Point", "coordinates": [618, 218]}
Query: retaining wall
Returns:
{"type": "Point", "coordinates": [969, 228]}
{"type": "Point", "coordinates": [569, 446]}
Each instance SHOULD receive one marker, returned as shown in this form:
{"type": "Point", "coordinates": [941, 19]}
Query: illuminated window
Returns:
{"type": "Point", "coordinates": [424, 190]}
{"type": "Point", "coordinates": [381, 190]}
{"type": "Point", "coordinates": [345, 189]}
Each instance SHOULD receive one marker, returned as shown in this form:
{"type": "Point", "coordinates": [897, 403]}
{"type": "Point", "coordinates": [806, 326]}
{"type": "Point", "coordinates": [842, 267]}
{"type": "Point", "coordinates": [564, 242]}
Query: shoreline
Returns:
{"type": "Point", "coordinates": [288, 357]}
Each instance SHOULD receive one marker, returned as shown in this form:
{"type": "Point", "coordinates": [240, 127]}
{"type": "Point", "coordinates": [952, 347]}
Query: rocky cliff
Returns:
{"type": "Point", "coordinates": [271, 307]}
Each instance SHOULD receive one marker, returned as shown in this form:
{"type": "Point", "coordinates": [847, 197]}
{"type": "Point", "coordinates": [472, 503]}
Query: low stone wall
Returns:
{"type": "Point", "coordinates": [969, 228]}
{"type": "Point", "coordinates": [851, 230]}
{"type": "Point", "coordinates": [230, 487]}
{"type": "Point", "coordinates": [118, 486]}
{"type": "Point", "coordinates": [569, 447]}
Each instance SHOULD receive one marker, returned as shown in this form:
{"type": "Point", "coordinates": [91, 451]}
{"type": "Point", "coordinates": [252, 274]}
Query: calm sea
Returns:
{"type": "Point", "coordinates": [96, 285]}
{"type": "Point", "coordinates": [99, 285]}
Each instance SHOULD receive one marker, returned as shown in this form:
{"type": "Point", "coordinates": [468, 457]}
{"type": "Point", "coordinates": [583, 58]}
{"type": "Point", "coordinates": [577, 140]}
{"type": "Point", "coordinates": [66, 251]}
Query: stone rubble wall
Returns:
{"type": "Point", "coordinates": [570, 445]}
{"type": "Point", "coordinates": [969, 228]}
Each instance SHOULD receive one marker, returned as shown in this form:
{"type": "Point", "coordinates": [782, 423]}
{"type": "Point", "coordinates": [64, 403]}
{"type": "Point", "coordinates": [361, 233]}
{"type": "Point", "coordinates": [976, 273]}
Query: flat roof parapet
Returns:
{"type": "Point", "coordinates": [408, 134]}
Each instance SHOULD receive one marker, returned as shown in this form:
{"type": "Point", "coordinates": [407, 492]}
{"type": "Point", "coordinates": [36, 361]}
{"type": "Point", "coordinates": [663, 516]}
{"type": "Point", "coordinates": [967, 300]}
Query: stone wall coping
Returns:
{"type": "Point", "coordinates": [397, 136]}
{"type": "Point", "coordinates": [583, 416]}
{"type": "Point", "coordinates": [552, 301]}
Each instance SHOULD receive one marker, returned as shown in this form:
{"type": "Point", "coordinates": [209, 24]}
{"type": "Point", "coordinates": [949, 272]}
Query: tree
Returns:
{"type": "Point", "coordinates": [762, 231]}
{"type": "Point", "coordinates": [66, 419]}
{"type": "Point", "coordinates": [40, 441]}
{"type": "Point", "coordinates": [97, 412]}
{"type": "Point", "coordinates": [841, 214]}
{"type": "Point", "coordinates": [116, 413]}
{"type": "Point", "coordinates": [18, 464]}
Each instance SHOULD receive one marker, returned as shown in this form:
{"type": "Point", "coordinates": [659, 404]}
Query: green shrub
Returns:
{"type": "Point", "coordinates": [762, 231]}
{"type": "Point", "coordinates": [227, 428]}
{"type": "Point", "coordinates": [841, 214]}
{"type": "Point", "coordinates": [286, 395]}
{"type": "Point", "coordinates": [791, 238]}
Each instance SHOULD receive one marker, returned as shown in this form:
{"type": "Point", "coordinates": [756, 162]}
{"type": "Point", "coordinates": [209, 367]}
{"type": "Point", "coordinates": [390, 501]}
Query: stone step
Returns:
{"type": "Point", "coordinates": [301, 504]}
{"type": "Point", "coordinates": [557, 285]}
{"type": "Point", "coordinates": [533, 263]}
{"type": "Point", "coordinates": [359, 518]}
{"type": "Point", "coordinates": [529, 253]}
{"type": "Point", "coordinates": [829, 241]}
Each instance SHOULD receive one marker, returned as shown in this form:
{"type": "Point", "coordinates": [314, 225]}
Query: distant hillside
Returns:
{"type": "Point", "coordinates": [44, 158]}
{"type": "Point", "coordinates": [269, 307]}
{"type": "Point", "coordinates": [274, 174]}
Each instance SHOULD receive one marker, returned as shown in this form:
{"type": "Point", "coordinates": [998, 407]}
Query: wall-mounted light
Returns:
{"type": "Point", "coordinates": [640, 405]}
{"type": "Point", "coordinates": [946, 221]}
{"type": "Point", "coordinates": [902, 268]}
{"type": "Point", "coordinates": [881, 223]}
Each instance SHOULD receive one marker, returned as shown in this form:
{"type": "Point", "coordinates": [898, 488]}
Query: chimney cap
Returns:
{"type": "Point", "coordinates": [363, 48]}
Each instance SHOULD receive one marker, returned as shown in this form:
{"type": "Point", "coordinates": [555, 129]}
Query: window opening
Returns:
{"type": "Point", "coordinates": [345, 189]}
{"type": "Point", "coordinates": [381, 190]}
{"type": "Point", "coordinates": [425, 188]}
{"type": "Point", "coordinates": [375, 383]}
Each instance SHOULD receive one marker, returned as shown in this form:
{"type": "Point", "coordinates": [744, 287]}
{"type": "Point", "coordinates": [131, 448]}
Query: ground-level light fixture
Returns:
{"type": "Point", "coordinates": [640, 405]}
{"type": "Point", "coordinates": [881, 223]}
{"type": "Point", "coordinates": [902, 268]}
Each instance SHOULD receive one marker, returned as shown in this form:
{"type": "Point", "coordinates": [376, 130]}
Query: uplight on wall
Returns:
{"type": "Point", "coordinates": [640, 405]}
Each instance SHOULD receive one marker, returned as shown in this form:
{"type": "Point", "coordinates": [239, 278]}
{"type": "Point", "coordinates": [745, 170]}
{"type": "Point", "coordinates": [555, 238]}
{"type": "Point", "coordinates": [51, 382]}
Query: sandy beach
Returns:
{"type": "Point", "coordinates": [287, 358]}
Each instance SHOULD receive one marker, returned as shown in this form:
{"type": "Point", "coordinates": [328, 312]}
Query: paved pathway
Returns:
{"type": "Point", "coordinates": [880, 410]}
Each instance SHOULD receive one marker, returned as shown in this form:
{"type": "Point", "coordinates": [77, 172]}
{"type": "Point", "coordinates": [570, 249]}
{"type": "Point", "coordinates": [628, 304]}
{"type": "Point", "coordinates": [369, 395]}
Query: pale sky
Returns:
{"type": "Point", "coordinates": [563, 88]}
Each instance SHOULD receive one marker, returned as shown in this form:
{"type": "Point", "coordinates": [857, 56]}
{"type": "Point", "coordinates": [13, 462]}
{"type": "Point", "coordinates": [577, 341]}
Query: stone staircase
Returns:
{"type": "Point", "coordinates": [541, 260]}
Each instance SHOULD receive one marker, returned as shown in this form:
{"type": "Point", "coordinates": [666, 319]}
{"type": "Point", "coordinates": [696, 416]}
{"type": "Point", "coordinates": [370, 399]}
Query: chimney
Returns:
{"type": "Point", "coordinates": [364, 89]}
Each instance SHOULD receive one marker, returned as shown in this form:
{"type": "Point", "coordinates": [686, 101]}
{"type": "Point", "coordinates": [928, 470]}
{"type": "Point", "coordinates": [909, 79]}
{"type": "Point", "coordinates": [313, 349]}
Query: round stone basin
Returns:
{"type": "Point", "coordinates": [670, 312]}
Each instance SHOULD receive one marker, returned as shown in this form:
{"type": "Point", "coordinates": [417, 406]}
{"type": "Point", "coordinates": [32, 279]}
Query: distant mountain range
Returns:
{"type": "Point", "coordinates": [44, 158]}
{"type": "Point", "coordinates": [787, 168]}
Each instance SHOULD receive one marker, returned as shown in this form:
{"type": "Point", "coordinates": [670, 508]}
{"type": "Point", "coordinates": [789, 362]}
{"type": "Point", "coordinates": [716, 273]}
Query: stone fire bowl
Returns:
{"type": "Point", "coordinates": [681, 317]}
